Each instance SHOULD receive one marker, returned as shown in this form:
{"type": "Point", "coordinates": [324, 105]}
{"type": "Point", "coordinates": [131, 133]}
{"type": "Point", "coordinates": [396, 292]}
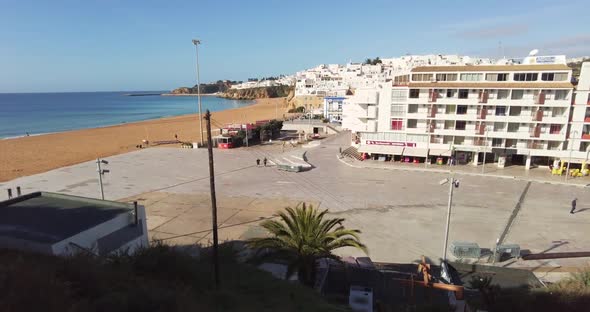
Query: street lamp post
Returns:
{"type": "Point", "coordinates": [567, 173]}
{"type": "Point", "coordinates": [101, 172]}
{"type": "Point", "coordinates": [196, 42]}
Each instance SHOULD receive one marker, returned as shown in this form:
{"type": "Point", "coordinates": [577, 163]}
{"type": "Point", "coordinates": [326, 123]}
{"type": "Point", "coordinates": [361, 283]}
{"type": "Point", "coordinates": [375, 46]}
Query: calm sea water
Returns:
{"type": "Point", "coordinates": [38, 113]}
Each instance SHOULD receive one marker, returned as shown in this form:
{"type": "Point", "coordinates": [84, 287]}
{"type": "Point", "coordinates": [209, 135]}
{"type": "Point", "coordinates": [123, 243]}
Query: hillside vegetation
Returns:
{"type": "Point", "coordinates": [257, 93]}
{"type": "Point", "coordinates": [159, 278]}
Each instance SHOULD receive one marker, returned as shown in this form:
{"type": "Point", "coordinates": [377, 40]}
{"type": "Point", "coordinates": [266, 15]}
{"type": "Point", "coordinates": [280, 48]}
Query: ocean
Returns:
{"type": "Point", "coordinates": [38, 113]}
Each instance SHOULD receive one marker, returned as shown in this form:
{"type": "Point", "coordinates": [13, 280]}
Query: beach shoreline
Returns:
{"type": "Point", "coordinates": [33, 154]}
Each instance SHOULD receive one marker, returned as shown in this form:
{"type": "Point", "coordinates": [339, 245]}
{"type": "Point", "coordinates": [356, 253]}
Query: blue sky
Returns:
{"type": "Point", "coordinates": [101, 45]}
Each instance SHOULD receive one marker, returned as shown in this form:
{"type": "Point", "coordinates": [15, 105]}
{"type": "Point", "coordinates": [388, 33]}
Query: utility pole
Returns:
{"type": "Point", "coordinates": [567, 173]}
{"type": "Point", "coordinates": [485, 147]}
{"type": "Point", "coordinates": [452, 184]}
{"type": "Point", "coordinates": [196, 42]}
{"type": "Point", "coordinates": [213, 200]}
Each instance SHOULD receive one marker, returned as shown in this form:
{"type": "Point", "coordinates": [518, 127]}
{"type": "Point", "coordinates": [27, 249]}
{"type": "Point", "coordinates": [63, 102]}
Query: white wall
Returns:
{"type": "Point", "coordinates": [88, 239]}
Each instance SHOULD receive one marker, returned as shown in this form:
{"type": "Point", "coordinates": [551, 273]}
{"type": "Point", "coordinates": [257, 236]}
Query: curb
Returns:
{"type": "Point", "coordinates": [462, 173]}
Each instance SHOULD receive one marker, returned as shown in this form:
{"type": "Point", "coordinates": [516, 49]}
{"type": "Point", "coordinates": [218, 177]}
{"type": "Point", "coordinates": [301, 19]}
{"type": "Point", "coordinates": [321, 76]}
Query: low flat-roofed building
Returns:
{"type": "Point", "coordinates": [58, 224]}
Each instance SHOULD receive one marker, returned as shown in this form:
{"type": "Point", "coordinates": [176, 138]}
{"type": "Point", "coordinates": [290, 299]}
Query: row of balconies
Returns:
{"type": "Point", "coordinates": [483, 97]}
{"type": "Point", "coordinates": [520, 133]}
{"type": "Point", "coordinates": [526, 116]}
{"type": "Point", "coordinates": [502, 143]}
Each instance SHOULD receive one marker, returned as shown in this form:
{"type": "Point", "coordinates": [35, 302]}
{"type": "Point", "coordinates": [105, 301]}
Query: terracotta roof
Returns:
{"type": "Point", "coordinates": [478, 68]}
{"type": "Point", "coordinates": [493, 85]}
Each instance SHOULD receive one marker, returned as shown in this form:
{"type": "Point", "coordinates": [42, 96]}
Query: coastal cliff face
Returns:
{"type": "Point", "coordinates": [206, 88]}
{"type": "Point", "coordinates": [258, 93]}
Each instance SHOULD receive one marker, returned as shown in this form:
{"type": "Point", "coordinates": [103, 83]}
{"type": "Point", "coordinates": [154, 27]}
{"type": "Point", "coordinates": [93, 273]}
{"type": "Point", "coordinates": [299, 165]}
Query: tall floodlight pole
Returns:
{"type": "Point", "coordinates": [196, 42]}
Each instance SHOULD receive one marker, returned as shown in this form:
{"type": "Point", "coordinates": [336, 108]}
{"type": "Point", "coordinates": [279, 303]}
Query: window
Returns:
{"type": "Point", "coordinates": [412, 108]}
{"type": "Point", "coordinates": [414, 93]}
{"type": "Point", "coordinates": [421, 77]}
{"type": "Point", "coordinates": [471, 77]}
{"type": "Point", "coordinates": [398, 110]}
{"type": "Point", "coordinates": [513, 127]}
{"type": "Point", "coordinates": [451, 93]}
{"type": "Point", "coordinates": [500, 110]}
{"type": "Point", "coordinates": [526, 76]}
{"type": "Point", "coordinates": [502, 94]}
{"type": "Point", "coordinates": [496, 77]}
{"type": "Point", "coordinates": [515, 111]}
{"type": "Point", "coordinates": [555, 129]}
{"type": "Point", "coordinates": [412, 123]}
{"type": "Point", "coordinates": [397, 124]}
{"type": "Point", "coordinates": [463, 93]}
{"type": "Point", "coordinates": [499, 126]}
{"type": "Point", "coordinates": [398, 95]}
{"type": "Point", "coordinates": [401, 80]}
{"type": "Point", "coordinates": [461, 109]}
{"type": "Point", "coordinates": [446, 77]}
{"type": "Point", "coordinates": [496, 142]}
{"type": "Point", "coordinates": [554, 76]}
{"type": "Point", "coordinates": [561, 94]}
{"type": "Point", "coordinates": [517, 94]}
{"type": "Point", "coordinates": [460, 125]}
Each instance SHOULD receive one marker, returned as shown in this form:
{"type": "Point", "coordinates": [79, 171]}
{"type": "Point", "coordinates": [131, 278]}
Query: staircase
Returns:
{"type": "Point", "coordinates": [352, 152]}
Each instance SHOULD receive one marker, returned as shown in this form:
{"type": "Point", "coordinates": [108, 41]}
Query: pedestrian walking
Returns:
{"type": "Point", "coordinates": [258, 162]}
{"type": "Point", "coordinates": [264, 161]}
{"type": "Point", "coordinates": [176, 136]}
{"type": "Point", "coordinates": [574, 202]}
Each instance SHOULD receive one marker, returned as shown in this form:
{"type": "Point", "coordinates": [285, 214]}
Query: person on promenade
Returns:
{"type": "Point", "coordinates": [176, 136]}
{"type": "Point", "coordinates": [264, 161]}
{"type": "Point", "coordinates": [257, 162]}
{"type": "Point", "coordinates": [574, 202]}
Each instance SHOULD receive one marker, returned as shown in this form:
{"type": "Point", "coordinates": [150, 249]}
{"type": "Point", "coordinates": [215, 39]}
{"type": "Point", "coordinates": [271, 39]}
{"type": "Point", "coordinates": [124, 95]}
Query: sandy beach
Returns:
{"type": "Point", "coordinates": [30, 155]}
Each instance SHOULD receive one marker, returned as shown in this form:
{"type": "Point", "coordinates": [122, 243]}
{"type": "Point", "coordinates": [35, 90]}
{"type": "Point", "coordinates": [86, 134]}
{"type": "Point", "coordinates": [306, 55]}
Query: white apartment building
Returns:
{"type": "Point", "coordinates": [518, 112]}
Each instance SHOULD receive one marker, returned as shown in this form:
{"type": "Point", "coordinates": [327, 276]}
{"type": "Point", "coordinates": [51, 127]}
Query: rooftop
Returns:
{"type": "Point", "coordinates": [483, 68]}
{"type": "Point", "coordinates": [45, 217]}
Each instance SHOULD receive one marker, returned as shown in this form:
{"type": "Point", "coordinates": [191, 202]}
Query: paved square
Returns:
{"type": "Point", "coordinates": [402, 214]}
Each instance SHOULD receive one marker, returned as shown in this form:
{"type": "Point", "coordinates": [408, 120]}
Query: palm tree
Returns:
{"type": "Point", "coordinates": [301, 237]}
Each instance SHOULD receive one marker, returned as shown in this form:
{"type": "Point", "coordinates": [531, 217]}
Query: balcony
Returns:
{"type": "Point", "coordinates": [482, 112]}
{"type": "Point", "coordinates": [480, 128]}
{"type": "Point", "coordinates": [537, 115]}
{"type": "Point", "coordinates": [432, 110]}
{"type": "Point", "coordinates": [535, 132]}
{"type": "Point", "coordinates": [432, 96]}
{"type": "Point", "coordinates": [483, 96]}
{"type": "Point", "coordinates": [534, 145]}
{"type": "Point", "coordinates": [431, 127]}
{"type": "Point", "coordinates": [540, 98]}
{"type": "Point", "coordinates": [479, 142]}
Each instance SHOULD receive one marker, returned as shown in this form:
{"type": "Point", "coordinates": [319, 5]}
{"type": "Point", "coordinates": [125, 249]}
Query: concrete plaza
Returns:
{"type": "Point", "coordinates": [401, 213]}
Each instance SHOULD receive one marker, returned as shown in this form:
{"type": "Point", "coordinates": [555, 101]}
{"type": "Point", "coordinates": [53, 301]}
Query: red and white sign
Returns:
{"type": "Point", "coordinates": [388, 143]}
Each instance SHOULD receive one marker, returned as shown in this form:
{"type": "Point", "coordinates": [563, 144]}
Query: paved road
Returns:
{"type": "Point", "coordinates": [400, 213]}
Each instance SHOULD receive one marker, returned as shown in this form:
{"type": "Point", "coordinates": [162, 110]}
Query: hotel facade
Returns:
{"type": "Point", "coordinates": [521, 113]}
